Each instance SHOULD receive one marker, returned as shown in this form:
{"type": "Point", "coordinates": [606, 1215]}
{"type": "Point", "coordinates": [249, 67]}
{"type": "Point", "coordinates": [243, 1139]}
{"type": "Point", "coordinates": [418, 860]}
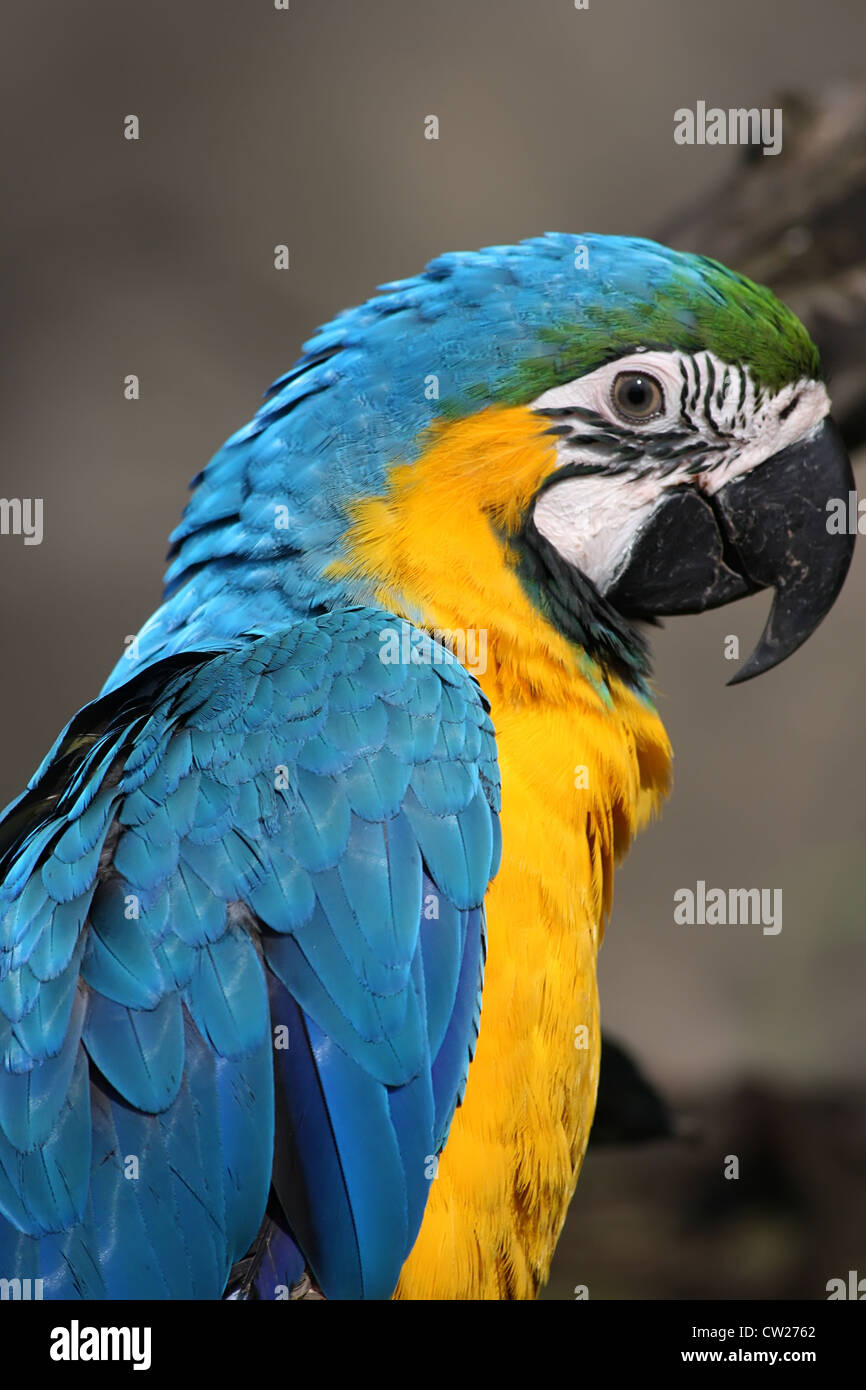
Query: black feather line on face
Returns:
{"type": "Point", "coordinates": [724, 387]}
{"type": "Point", "coordinates": [792, 405]}
{"type": "Point", "coordinates": [637, 455]}
{"type": "Point", "coordinates": [582, 413]}
{"type": "Point", "coordinates": [576, 608]}
{"type": "Point", "coordinates": [708, 400]}
{"type": "Point", "coordinates": [694, 398]}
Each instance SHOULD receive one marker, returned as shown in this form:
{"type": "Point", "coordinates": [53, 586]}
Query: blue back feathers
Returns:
{"type": "Point", "coordinates": [242, 902]}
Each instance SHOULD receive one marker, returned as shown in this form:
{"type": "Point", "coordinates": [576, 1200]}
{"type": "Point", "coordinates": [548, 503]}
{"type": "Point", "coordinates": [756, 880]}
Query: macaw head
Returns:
{"type": "Point", "coordinates": [610, 429]}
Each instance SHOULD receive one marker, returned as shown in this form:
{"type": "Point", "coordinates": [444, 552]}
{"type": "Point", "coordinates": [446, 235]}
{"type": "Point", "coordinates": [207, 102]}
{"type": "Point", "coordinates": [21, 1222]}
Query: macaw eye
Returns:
{"type": "Point", "coordinates": [636, 396]}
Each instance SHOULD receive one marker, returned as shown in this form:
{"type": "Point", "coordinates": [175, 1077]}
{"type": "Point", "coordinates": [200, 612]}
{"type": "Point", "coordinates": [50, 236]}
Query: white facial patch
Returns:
{"type": "Point", "coordinates": [594, 520]}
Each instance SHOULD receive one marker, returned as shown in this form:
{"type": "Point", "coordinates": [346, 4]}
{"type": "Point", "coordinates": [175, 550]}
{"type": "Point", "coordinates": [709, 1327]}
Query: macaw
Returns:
{"type": "Point", "coordinates": [299, 918]}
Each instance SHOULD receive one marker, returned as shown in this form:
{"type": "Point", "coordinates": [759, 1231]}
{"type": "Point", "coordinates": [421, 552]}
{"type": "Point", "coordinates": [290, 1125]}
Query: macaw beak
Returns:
{"type": "Point", "coordinates": [767, 529]}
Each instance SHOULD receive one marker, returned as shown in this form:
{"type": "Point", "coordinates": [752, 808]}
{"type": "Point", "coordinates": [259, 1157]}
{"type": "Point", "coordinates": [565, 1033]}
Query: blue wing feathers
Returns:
{"type": "Point", "coordinates": [241, 943]}
{"type": "Point", "coordinates": [140, 1051]}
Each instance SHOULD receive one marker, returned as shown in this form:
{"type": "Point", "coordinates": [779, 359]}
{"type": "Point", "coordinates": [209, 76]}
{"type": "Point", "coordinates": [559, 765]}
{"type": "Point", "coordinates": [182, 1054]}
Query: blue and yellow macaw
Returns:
{"type": "Point", "coordinates": [392, 717]}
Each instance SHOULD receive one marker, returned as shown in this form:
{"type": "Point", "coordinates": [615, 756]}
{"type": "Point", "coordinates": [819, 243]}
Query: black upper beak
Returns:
{"type": "Point", "coordinates": [765, 529]}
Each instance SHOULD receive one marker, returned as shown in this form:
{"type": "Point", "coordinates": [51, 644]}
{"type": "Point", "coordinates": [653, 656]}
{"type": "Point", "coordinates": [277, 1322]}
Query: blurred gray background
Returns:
{"type": "Point", "coordinates": [307, 127]}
